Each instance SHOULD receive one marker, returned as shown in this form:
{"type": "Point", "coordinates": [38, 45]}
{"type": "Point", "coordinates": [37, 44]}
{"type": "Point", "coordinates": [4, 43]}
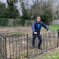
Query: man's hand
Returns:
{"type": "Point", "coordinates": [35, 32]}
{"type": "Point", "coordinates": [48, 31]}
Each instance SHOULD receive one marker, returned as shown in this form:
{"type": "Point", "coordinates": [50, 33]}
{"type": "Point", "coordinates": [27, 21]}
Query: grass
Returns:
{"type": "Point", "coordinates": [9, 26]}
{"type": "Point", "coordinates": [0, 57]}
{"type": "Point", "coordinates": [52, 54]}
{"type": "Point", "coordinates": [51, 27]}
{"type": "Point", "coordinates": [54, 27]}
{"type": "Point", "coordinates": [13, 33]}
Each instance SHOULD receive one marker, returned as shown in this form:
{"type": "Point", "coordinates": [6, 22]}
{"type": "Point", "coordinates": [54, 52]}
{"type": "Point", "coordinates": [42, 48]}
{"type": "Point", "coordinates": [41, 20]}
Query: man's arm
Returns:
{"type": "Point", "coordinates": [45, 26]}
{"type": "Point", "coordinates": [33, 26]}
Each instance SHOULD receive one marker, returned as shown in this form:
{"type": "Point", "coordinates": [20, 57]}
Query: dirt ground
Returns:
{"type": "Point", "coordinates": [17, 30]}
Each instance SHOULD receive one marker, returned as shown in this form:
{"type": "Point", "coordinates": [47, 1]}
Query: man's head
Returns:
{"type": "Point", "coordinates": [38, 19]}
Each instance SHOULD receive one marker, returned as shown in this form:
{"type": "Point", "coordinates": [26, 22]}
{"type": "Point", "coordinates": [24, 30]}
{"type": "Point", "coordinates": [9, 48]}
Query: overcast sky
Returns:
{"type": "Point", "coordinates": [3, 1]}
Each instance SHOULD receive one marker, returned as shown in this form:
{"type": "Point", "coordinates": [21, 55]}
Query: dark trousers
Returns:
{"type": "Point", "coordinates": [39, 37]}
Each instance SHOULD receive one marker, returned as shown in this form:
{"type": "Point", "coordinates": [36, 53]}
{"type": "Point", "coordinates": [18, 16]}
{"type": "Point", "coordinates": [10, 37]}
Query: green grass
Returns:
{"type": "Point", "coordinates": [51, 27]}
{"type": "Point", "coordinates": [54, 27]}
{"type": "Point", "coordinates": [53, 54]}
{"type": "Point", "coordinates": [0, 57]}
{"type": "Point", "coordinates": [2, 27]}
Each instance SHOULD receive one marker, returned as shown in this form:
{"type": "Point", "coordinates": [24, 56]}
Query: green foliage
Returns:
{"type": "Point", "coordinates": [22, 22]}
{"type": "Point", "coordinates": [15, 22]}
{"type": "Point", "coordinates": [2, 9]}
{"type": "Point", "coordinates": [47, 15]}
{"type": "Point", "coordinates": [45, 18]}
{"type": "Point", "coordinates": [29, 23]}
{"type": "Point", "coordinates": [13, 12]}
{"type": "Point", "coordinates": [6, 13]}
{"type": "Point", "coordinates": [3, 21]}
{"type": "Point", "coordinates": [10, 12]}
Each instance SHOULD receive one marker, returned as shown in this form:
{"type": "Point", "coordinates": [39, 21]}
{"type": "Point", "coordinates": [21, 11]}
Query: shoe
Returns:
{"type": "Point", "coordinates": [32, 47]}
{"type": "Point", "coordinates": [40, 48]}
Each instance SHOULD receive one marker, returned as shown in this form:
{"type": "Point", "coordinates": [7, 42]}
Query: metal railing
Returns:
{"type": "Point", "coordinates": [20, 46]}
{"type": "Point", "coordinates": [3, 49]}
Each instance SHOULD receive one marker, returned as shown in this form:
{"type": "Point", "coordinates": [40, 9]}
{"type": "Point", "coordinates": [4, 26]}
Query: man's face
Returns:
{"type": "Point", "coordinates": [38, 19]}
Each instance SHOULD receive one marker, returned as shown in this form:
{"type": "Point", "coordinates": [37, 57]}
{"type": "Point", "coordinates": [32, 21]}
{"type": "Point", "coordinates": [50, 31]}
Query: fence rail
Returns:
{"type": "Point", "coordinates": [20, 46]}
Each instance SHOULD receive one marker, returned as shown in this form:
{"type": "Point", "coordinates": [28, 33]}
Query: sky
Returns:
{"type": "Point", "coordinates": [3, 1]}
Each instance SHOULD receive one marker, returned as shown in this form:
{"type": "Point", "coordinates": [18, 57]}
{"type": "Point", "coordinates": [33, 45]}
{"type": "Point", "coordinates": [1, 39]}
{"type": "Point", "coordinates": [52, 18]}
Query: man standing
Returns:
{"type": "Point", "coordinates": [36, 26]}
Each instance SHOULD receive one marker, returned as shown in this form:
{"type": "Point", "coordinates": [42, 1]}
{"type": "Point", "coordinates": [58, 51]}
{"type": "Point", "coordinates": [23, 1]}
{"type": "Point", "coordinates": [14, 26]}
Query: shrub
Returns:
{"type": "Point", "coordinates": [3, 21]}
{"type": "Point", "coordinates": [22, 22]}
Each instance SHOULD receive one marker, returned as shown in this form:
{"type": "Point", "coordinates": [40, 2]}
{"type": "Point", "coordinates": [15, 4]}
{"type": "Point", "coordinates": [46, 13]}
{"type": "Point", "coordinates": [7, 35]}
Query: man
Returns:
{"type": "Point", "coordinates": [36, 26]}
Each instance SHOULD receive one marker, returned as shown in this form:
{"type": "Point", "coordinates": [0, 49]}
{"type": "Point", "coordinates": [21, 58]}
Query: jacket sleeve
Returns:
{"type": "Point", "coordinates": [45, 26]}
{"type": "Point", "coordinates": [33, 26]}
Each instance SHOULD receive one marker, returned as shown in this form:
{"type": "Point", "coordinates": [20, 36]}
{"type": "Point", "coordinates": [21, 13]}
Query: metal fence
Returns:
{"type": "Point", "coordinates": [3, 49]}
{"type": "Point", "coordinates": [20, 46]}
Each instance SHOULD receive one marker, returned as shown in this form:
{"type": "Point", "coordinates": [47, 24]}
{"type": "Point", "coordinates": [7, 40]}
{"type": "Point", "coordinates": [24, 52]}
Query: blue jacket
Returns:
{"type": "Point", "coordinates": [37, 26]}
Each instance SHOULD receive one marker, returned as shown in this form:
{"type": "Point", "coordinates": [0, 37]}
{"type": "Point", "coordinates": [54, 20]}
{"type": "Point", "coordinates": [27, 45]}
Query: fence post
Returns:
{"type": "Point", "coordinates": [58, 38]}
{"type": "Point", "coordinates": [27, 24]}
{"type": "Point", "coordinates": [5, 49]}
{"type": "Point", "coordinates": [27, 46]}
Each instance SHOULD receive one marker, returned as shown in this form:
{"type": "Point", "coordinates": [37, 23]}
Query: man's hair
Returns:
{"type": "Point", "coordinates": [38, 16]}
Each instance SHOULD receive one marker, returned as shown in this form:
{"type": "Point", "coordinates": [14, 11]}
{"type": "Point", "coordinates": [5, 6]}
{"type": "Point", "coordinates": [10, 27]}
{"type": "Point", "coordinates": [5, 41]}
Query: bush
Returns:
{"type": "Point", "coordinates": [29, 23]}
{"type": "Point", "coordinates": [3, 21]}
{"type": "Point", "coordinates": [22, 22]}
{"type": "Point", "coordinates": [15, 22]}
{"type": "Point", "coordinates": [47, 18]}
